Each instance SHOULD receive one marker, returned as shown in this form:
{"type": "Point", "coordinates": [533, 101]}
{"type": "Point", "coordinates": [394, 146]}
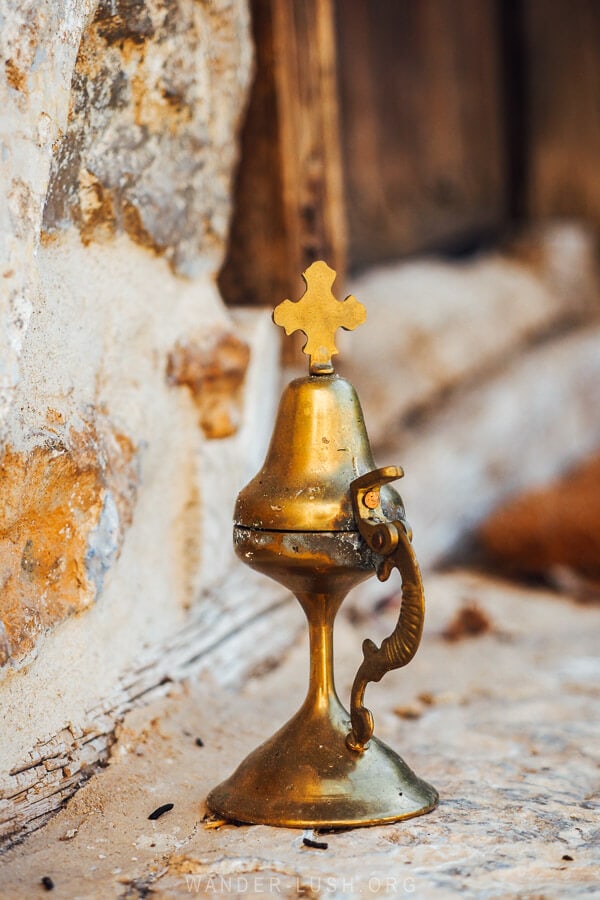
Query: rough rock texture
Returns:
{"type": "Point", "coordinates": [148, 146]}
{"type": "Point", "coordinates": [65, 509]}
{"type": "Point", "coordinates": [38, 42]}
{"type": "Point", "coordinates": [504, 724]}
{"type": "Point", "coordinates": [214, 370]}
{"type": "Point", "coordinates": [174, 579]}
{"type": "Point", "coordinates": [59, 762]}
{"type": "Point", "coordinates": [551, 531]}
{"type": "Point", "coordinates": [118, 136]}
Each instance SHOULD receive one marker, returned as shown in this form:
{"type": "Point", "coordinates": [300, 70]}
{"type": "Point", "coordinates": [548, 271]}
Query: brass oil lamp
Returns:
{"type": "Point", "coordinates": [320, 518]}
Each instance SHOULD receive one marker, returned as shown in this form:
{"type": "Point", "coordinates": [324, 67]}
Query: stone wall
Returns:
{"type": "Point", "coordinates": [132, 404]}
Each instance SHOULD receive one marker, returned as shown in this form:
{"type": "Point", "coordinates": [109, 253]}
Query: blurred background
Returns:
{"type": "Point", "coordinates": [443, 156]}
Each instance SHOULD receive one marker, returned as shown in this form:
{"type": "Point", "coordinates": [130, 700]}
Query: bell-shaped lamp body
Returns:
{"type": "Point", "coordinates": [318, 447]}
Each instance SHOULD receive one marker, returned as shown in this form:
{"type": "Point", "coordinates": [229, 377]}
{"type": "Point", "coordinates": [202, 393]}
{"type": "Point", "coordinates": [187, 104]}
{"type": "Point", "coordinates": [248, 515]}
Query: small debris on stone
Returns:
{"type": "Point", "coordinates": [210, 824]}
{"type": "Point", "coordinates": [160, 811]}
{"type": "Point", "coordinates": [317, 845]}
{"type": "Point", "coordinates": [267, 665]}
{"type": "Point", "coordinates": [426, 698]}
{"type": "Point", "coordinates": [199, 742]}
{"type": "Point", "coordinates": [567, 857]}
{"type": "Point", "coordinates": [388, 601]}
{"type": "Point", "coordinates": [551, 532]}
{"type": "Point", "coordinates": [354, 615]}
{"type": "Point", "coordinates": [469, 621]}
{"type": "Point", "coordinates": [568, 581]}
{"type": "Point", "coordinates": [47, 883]}
{"type": "Point", "coordinates": [407, 712]}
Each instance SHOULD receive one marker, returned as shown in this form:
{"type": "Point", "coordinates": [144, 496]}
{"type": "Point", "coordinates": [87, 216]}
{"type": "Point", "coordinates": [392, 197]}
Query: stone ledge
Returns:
{"type": "Point", "coordinates": [503, 723]}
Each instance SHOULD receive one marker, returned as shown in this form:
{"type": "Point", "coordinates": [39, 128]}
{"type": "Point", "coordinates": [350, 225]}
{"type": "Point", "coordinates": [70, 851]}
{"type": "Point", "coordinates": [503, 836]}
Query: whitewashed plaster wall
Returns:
{"type": "Point", "coordinates": [132, 405]}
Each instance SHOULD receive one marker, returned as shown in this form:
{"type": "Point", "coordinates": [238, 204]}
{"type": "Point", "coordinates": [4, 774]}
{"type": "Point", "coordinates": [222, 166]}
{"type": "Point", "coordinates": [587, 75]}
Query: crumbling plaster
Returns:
{"type": "Point", "coordinates": [119, 470]}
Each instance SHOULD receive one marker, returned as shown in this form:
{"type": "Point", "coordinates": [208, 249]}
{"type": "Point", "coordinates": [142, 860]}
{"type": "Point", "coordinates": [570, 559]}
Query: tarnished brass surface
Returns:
{"type": "Point", "coordinates": [305, 775]}
{"type": "Point", "coordinates": [320, 519]}
{"type": "Point", "coordinates": [319, 445]}
{"type": "Point", "coordinates": [393, 540]}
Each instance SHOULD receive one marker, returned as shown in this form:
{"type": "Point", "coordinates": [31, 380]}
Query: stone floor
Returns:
{"type": "Point", "coordinates": [503, 718]}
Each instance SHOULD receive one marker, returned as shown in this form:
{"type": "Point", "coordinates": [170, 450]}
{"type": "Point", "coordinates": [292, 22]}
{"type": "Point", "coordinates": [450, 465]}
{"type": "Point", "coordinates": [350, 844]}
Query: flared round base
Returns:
{"type": "Point", "coordinates": [305, 776]}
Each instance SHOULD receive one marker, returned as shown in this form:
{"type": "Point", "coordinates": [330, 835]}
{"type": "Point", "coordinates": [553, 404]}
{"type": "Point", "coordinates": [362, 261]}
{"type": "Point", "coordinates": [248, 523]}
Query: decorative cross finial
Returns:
{"type": "Point", "coordinates": [319, 315]}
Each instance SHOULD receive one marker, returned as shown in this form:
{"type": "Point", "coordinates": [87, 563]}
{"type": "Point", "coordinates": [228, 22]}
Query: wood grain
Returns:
{"type": "Point", "coordinates": [563, 102]}
{"type": "Point", "coordinates": [422, 124]}
{"type": "Point", "coordinates": [288, 203]}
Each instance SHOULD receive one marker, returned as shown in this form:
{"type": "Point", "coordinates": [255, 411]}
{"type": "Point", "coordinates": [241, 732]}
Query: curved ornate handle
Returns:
{"type": "Point", "coordinates": [392, 539]}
